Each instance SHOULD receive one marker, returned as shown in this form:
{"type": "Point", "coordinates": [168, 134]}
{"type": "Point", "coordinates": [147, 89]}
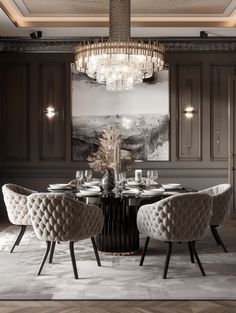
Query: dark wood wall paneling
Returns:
{"type": "Point", "coordinates": [52, 94]}
{"type": "Point", "coordinates": [15, 112]}
{"type": "Point", "coordinates": [219, 111]}
{"type": "Point", "coordinates": [36, 151]}
{"type": "Point", "coordinates": [189, 129]}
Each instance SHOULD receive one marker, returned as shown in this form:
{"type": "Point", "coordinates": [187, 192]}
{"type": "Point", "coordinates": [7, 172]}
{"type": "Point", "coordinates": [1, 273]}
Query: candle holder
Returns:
{"type": "Point", "coordinates": [138, 176]}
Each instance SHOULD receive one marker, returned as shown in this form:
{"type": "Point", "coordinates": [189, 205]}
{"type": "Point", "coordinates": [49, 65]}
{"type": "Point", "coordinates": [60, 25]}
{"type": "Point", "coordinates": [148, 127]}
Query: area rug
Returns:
{"type": "Point", "coordinates": [120, 277]}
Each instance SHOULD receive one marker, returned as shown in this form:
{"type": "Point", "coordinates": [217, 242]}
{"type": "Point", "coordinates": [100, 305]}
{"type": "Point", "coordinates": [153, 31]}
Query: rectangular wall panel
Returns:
{"type": "Point", "coordinates": [189, 129]}
{"type": "Point", "coordinates": [16, 133]}
{"type": "Point", "coordinates": [219, 112]}
{"type": "Point", "coordinates": [52, 144]}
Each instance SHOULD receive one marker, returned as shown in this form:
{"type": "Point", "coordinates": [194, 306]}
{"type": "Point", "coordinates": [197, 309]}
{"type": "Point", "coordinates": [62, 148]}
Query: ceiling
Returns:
{"type": "Point", "coordinates": [70, 18]}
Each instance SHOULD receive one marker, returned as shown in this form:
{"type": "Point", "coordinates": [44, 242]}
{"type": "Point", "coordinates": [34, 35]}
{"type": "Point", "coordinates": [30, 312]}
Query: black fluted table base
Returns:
{"type": "Point", "coordinates": [120, 235]}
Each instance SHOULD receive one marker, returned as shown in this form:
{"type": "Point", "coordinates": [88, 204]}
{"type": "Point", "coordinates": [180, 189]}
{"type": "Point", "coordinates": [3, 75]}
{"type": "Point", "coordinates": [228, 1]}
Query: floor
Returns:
{"type": "Point", "coordinates": [120, 277]}
{"type": "Point", "coordinates": [118, 306]}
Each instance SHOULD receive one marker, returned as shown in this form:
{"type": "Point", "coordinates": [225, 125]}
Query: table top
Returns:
{"type": "Point", "coordinates": [87, 192]}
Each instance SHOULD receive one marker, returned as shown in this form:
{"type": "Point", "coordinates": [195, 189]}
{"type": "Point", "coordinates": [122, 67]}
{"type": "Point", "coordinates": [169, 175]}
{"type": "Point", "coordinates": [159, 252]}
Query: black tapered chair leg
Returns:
{"type": "Point", "coordinates": [72, 254]}
{"type": "Point", "coordinates": [52, 251]}
{"type": "Point", "coordinates": [144, 251]}
{"type": "Point", "coordinates": [191, 252]}
{"type": "Point", "coordinates": [167, 260]}
{"type": "Point", "coordinates": [19, 237]}
{"type": "Point", "coordinates": [214, 233]}
{"type": "Point", "coordinates": [218, 238]}
{"type": "Point", "coordinates": [48, 243]}
{"type": "Point", "coordinates": [96, 251]}
{"type": "Point", "coordinates": [197, 259]}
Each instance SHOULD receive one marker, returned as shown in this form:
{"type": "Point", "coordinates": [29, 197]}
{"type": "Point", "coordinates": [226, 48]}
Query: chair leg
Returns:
{"type": "Point", "coordinates": [19, 237]}
{"type": "Point", "coordinates": [197, 259]}
{"type": "Point", "coordinates": [52, 251]}
{"type": "Point", "coordinates": [45, 257]}
{"type": "Point", "coordinates": [218, 238]}
{"type": "Point", "coordinates": [167, 260]}
{"type": "Point", "coordinates": [144, 251]}
{"type": "Point", "coordinates": [72, 254]}
{"type": "Point", "coordinates": [96, 251]}
{"type": "Point", "coordinates": [191, 252]}
{"type": "Point", "coordinates": [214, 233]}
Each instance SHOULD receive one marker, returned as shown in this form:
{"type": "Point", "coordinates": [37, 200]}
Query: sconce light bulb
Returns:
{"type": "Point", "coordinates": [189, 115]}
{"type": "Point", "coordinates": [189, 112]}
{"type": "Point", "coordinates": [50, 112]}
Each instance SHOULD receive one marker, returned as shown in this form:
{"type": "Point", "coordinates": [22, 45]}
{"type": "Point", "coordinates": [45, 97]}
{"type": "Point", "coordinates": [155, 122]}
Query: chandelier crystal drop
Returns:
{"type": "Point", "coordinates": [119, 62]}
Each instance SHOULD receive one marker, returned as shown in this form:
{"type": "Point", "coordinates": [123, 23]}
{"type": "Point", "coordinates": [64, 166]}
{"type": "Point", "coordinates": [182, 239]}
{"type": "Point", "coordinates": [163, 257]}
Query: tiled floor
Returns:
{"type": "Point", "coordinates": [120, 277]}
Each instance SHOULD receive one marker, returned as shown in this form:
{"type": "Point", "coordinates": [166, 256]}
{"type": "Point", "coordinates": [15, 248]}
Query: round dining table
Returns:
{"type": "Point", "coordinates": [120, 235]}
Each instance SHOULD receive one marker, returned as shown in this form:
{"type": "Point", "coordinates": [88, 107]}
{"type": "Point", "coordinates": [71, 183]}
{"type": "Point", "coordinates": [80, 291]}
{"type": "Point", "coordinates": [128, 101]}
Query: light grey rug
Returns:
{"type": "Point", "coordinates": [120, 277]}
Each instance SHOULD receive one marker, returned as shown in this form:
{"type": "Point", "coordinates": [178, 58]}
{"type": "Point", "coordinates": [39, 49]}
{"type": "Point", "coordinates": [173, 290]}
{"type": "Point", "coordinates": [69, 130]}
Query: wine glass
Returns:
{"type": "Point", "coordinates": [79, 178]}
{"type": "Point", "coordinates": [155, 175]}
{"type": "Point", "coordinates": [88, 175]}
{"type": "Point", "coordinates": [149, 177]}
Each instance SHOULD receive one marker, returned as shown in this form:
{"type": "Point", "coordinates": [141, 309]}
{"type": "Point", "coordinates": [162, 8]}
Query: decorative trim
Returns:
{"type": "Point", "coordinates": [60, 172]}
{"type": "Point", "coordinates": [188, 44]}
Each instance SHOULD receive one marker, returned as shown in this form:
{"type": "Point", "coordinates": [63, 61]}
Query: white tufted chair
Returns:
{"type": "Point", "coordinates": [59, 218]}
{"type": "Point", "coordinates": [222, 195]}
{"type": "Point", "coordinates": [179, 218]}
{"type": "Point", "coordinates": [15, 198]}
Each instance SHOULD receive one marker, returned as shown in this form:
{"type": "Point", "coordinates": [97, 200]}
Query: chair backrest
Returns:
{"type": "Point", "coordinates": [15, 198]}
{"type": "Point", "coordinates": [222, 195]}
{"type": "Point", "coordinates": [57, 217]}
{"type": "Point", "coordinates": [183, 217]}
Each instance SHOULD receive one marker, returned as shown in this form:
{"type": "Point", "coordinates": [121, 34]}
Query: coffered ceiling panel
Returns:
{"type": "Point", "coordinates": [101, 7]}
{"type": "Point", "coordinates": [145, 13]}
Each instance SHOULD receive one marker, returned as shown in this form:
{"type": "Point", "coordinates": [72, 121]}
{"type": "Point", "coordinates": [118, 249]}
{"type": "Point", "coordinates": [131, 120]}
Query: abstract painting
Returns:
{"type": "Point", "coordinates": [141, 116]}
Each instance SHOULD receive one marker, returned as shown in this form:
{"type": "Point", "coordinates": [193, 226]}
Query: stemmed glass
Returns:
{"type": "Point", "coordinates": [121, 177]}
{"type": "Point", "coordinates": [79, 178]}
{"type": "Point", "coordinates": [155, 175]}
{"type": "Point", "coordinates": [149, 177]}
{"type": "Point", "coordinates": [88, 175]}
{"type": "Point", "coordinates": [152, 176]}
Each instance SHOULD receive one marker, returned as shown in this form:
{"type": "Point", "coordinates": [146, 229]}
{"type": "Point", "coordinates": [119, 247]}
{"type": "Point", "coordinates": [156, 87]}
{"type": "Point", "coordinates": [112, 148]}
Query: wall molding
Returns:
{"type": "Point", "coordinates": [60, 172]}
{"type": "Point", "coordinates": [188, 44]}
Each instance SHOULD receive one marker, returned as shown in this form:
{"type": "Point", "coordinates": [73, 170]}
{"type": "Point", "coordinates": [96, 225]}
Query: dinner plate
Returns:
{"type": "Point", "coordinates": [131, 192]}
{"type": "Point", "coordinates": [89, 193]}
{"type": "Point", "coordinates": [172, 186]}
{"type": "Point", "coordinates": [67, 190]}
{"type": "Point", "coordinates": [133, 183]}
{"type": "Point", "coordinates": [59, 186]}
{"type": "Point", "coordinates": [152, 192]}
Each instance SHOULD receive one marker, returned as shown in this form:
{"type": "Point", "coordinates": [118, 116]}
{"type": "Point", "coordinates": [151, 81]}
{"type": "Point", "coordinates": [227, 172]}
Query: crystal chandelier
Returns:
{"type": "Point", "coordinates": [119, 62]}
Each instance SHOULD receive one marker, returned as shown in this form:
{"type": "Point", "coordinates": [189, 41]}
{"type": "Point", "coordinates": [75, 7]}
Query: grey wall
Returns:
{"type": "Point", "coordinates": [35, 152]}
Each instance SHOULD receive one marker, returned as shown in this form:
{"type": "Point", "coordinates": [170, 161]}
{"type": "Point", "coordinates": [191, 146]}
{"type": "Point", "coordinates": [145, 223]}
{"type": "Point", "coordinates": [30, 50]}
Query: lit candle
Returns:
{"type": "Point", "coordinates": [138, 175]}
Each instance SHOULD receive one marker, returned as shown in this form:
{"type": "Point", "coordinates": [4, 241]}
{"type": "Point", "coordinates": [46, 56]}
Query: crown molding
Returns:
{"type": "Point", "coordinates": [187, 44]}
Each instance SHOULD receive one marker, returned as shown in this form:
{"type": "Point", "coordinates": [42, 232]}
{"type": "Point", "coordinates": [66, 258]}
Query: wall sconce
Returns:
{"type": "Point", "coordinates": [189, 111]}
{"type": "Point", "coordinates": [50, 112]}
